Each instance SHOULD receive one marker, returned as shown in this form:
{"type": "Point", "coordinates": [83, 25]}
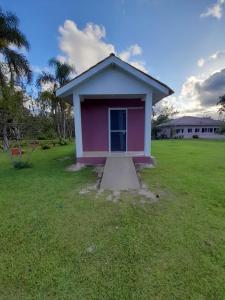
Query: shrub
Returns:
{"type": "Point", "coordinates": [19, 164]}
{"type": "Point", "coordinates": [45, 147]}
{"type": "Point", "coordinates": [22, 144]}
{"type": "Point", "coordinates": [163, 136]}
{"type": "Point", "coordinates": [55, 142]}
{"type": "Point", "coordinates": [63, 142]}
{"type": "Point", "coordinates": [221, 130]}
{"type": "Point", "coordinates": [42, 137]}
{"type": "Point", "coordinates": [195, 136]}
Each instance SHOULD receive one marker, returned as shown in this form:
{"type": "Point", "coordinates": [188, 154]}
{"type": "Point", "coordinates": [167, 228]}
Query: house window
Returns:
{"type": "Point", "coordinates": [196, 129]}
{"type": "Point", "coordinates": [210, 129]}
{"type": "Point", "coordinates": [215, 129]}
{"type": "Point", "coordinates": [180, 130]}
{"type": "Point", "coordinates": [189, 130]}
{"type": "Point", "coordinates": [204, 130]}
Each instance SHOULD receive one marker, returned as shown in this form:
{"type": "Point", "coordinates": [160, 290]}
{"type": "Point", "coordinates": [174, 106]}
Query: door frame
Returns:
{"type": "Point", "coordinates": [109, 126]}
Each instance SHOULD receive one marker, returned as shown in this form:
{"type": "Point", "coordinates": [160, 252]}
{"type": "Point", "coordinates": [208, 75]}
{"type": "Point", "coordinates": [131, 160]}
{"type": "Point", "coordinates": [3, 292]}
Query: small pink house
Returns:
{"type": "Point", "coordinates": [112, 111]}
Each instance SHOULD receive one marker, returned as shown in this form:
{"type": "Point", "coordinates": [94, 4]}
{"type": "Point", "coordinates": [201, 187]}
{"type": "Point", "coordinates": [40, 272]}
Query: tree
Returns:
{"type": "Point", "coordinates": [222, 104]}
{"type": "Point", "coordinates": [59, 109]}
{"type": "Point", "coordinates": [13, 62]}
{"type": "Point", "coordinates": [161, 114]}
{"type": "Point", "coordinates": [222, 128]}
{"type": "Point", "coordinates": [11, 113]}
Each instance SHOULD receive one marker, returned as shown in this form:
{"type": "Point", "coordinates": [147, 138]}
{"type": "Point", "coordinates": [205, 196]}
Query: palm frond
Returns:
{"type": "Point", "coordinates": [15, 37]}
{"type": "Point", "coordinates": [3, 77]}
{"type": "Point", "coordinates": [62, 70]}
{"type": "Point", "coordinates": [8, 17]}
{"type": "Point", "coordinates": [46, 96]}
{"type": "Point", "coordinates": [221, 102]}
{"type": "Point", "coordinates": [44, 78]}
{"type": "Point", "coordinates": [17, 63]}
{"type": "Point", "coordinates": [9, 31]}
{"type": "Point", "coordinates": [54, 62]}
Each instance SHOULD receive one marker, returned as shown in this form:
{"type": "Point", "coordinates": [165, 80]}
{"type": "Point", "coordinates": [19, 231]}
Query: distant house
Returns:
{"type": "Point", "coordinates": [112, 108]}
{"type": "Point", "coordinates": [186, 127]}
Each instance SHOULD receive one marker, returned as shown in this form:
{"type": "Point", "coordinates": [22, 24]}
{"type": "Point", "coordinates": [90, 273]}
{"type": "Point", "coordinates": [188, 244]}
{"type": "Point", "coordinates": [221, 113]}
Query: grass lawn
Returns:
{"type": "Point", "coordinates": [58, 244]}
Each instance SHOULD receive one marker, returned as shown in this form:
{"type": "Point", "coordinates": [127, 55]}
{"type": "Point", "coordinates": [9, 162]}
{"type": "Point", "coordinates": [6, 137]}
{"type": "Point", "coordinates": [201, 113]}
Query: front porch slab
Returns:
{"type": "Point", "coordinates": [99, 157]}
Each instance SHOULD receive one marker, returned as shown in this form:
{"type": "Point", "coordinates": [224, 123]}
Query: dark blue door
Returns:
{"type": "Point", "coordinates": [118, 129]}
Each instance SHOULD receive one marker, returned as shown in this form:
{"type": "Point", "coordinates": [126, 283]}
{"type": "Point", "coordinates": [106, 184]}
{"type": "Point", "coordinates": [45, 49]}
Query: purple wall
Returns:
{"type": "Point", "coordinates": [94, 114]}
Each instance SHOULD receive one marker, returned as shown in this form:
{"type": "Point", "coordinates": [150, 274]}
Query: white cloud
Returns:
{"type": "Point", "coordinates": [131, 51]}
{"type": "Point", "coordinates": [218, 55]}
{"type": "Point", "coordinates": [216, 10]}
{"type": "Point", "coordinates": [61, 58]}
{"type": "Point", "coordinates": [49, 86]}
{"type": "Point", "coordinates": [209, 90]}
{"type": "Point", "coordinates": [201, 62]}
{"type": "Point", "coordinates": [213, 63]}
{"type": "Point", "coordinates": [128, 56]}
{"type": "Point", "coordinates": [200, 93]}
{"type": "Point", "coordinates": [139, 64]}
{"type": "Point", "coordinates": [85, 47]}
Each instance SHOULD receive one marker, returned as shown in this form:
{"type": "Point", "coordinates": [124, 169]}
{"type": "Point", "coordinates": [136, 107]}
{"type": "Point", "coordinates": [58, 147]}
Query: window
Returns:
{"type": "Point", "coordinates": [189, 130]}
{"type": "Point", "coordinates": [204, 129]}
{"type": "Point", "coordinates": [196, 129]}
{"type": "Point", "coordinates": [210, 130]}
{"type": "Point", "coordinates": [180, 130]}
{"type": "Point", "coordinates": [215, 129]}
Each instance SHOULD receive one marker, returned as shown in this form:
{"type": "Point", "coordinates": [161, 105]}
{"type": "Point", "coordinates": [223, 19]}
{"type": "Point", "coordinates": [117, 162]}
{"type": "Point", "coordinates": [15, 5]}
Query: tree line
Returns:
{"type": "Point", "coordinates": [29, 108]}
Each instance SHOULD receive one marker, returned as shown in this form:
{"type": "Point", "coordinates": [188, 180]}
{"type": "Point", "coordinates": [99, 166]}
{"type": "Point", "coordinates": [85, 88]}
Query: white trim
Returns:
{"type": "Point", "coordinates": [148, 116]}
{"type": "Point", "coordinates": [111, 60]}
{"type": "Point", "coordinates": [78, 125]}
{"type": "Point", "coordinates": [109, 127]}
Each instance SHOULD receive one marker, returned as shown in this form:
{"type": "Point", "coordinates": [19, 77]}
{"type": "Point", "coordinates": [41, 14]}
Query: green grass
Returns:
{"type": "Point", "coordinates": [172, 249]}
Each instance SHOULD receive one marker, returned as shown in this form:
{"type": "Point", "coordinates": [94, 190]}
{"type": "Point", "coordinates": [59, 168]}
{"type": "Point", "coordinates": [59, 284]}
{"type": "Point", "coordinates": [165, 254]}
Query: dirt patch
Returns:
{"type": "Point", "coordinates": [75, 167]}
{"type": "Point", "coordinates": [142, 195]}
{"type": "Point", "coordinates": [148, 195]}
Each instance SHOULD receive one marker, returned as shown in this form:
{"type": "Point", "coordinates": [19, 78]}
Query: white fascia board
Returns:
{"type": "Point", "coordinates": [67, 89]}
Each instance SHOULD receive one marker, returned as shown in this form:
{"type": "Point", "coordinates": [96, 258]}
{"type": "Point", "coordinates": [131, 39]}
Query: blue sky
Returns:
{"type": "Point", "coordinates": [174, 40]}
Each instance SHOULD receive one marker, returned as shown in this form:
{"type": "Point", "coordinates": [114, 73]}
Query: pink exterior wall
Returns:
{"type": "Point", "coordinates": [94, 118]}
{"type": "Point", "coordinates": [136, 127]}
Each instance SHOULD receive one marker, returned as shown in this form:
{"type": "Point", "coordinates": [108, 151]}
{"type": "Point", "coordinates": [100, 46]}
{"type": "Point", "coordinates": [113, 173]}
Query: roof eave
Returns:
{"type": "Point", "coordinates": [111, 60]}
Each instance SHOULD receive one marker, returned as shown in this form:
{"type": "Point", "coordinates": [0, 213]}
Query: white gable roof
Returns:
{"type": "Point", "coordinates": [161, 90]}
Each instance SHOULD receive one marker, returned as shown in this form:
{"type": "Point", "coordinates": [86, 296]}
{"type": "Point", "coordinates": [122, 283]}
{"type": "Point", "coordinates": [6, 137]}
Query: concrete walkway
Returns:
{"type": "Point", "coordinates": [119, 174]}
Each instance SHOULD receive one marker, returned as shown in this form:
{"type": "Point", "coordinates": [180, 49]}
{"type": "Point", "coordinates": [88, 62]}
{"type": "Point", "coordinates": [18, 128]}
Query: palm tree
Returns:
{"type": "Point", "coordinates": [13, 63]}
{"type": "Point", "coordinates": [59, 108]}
